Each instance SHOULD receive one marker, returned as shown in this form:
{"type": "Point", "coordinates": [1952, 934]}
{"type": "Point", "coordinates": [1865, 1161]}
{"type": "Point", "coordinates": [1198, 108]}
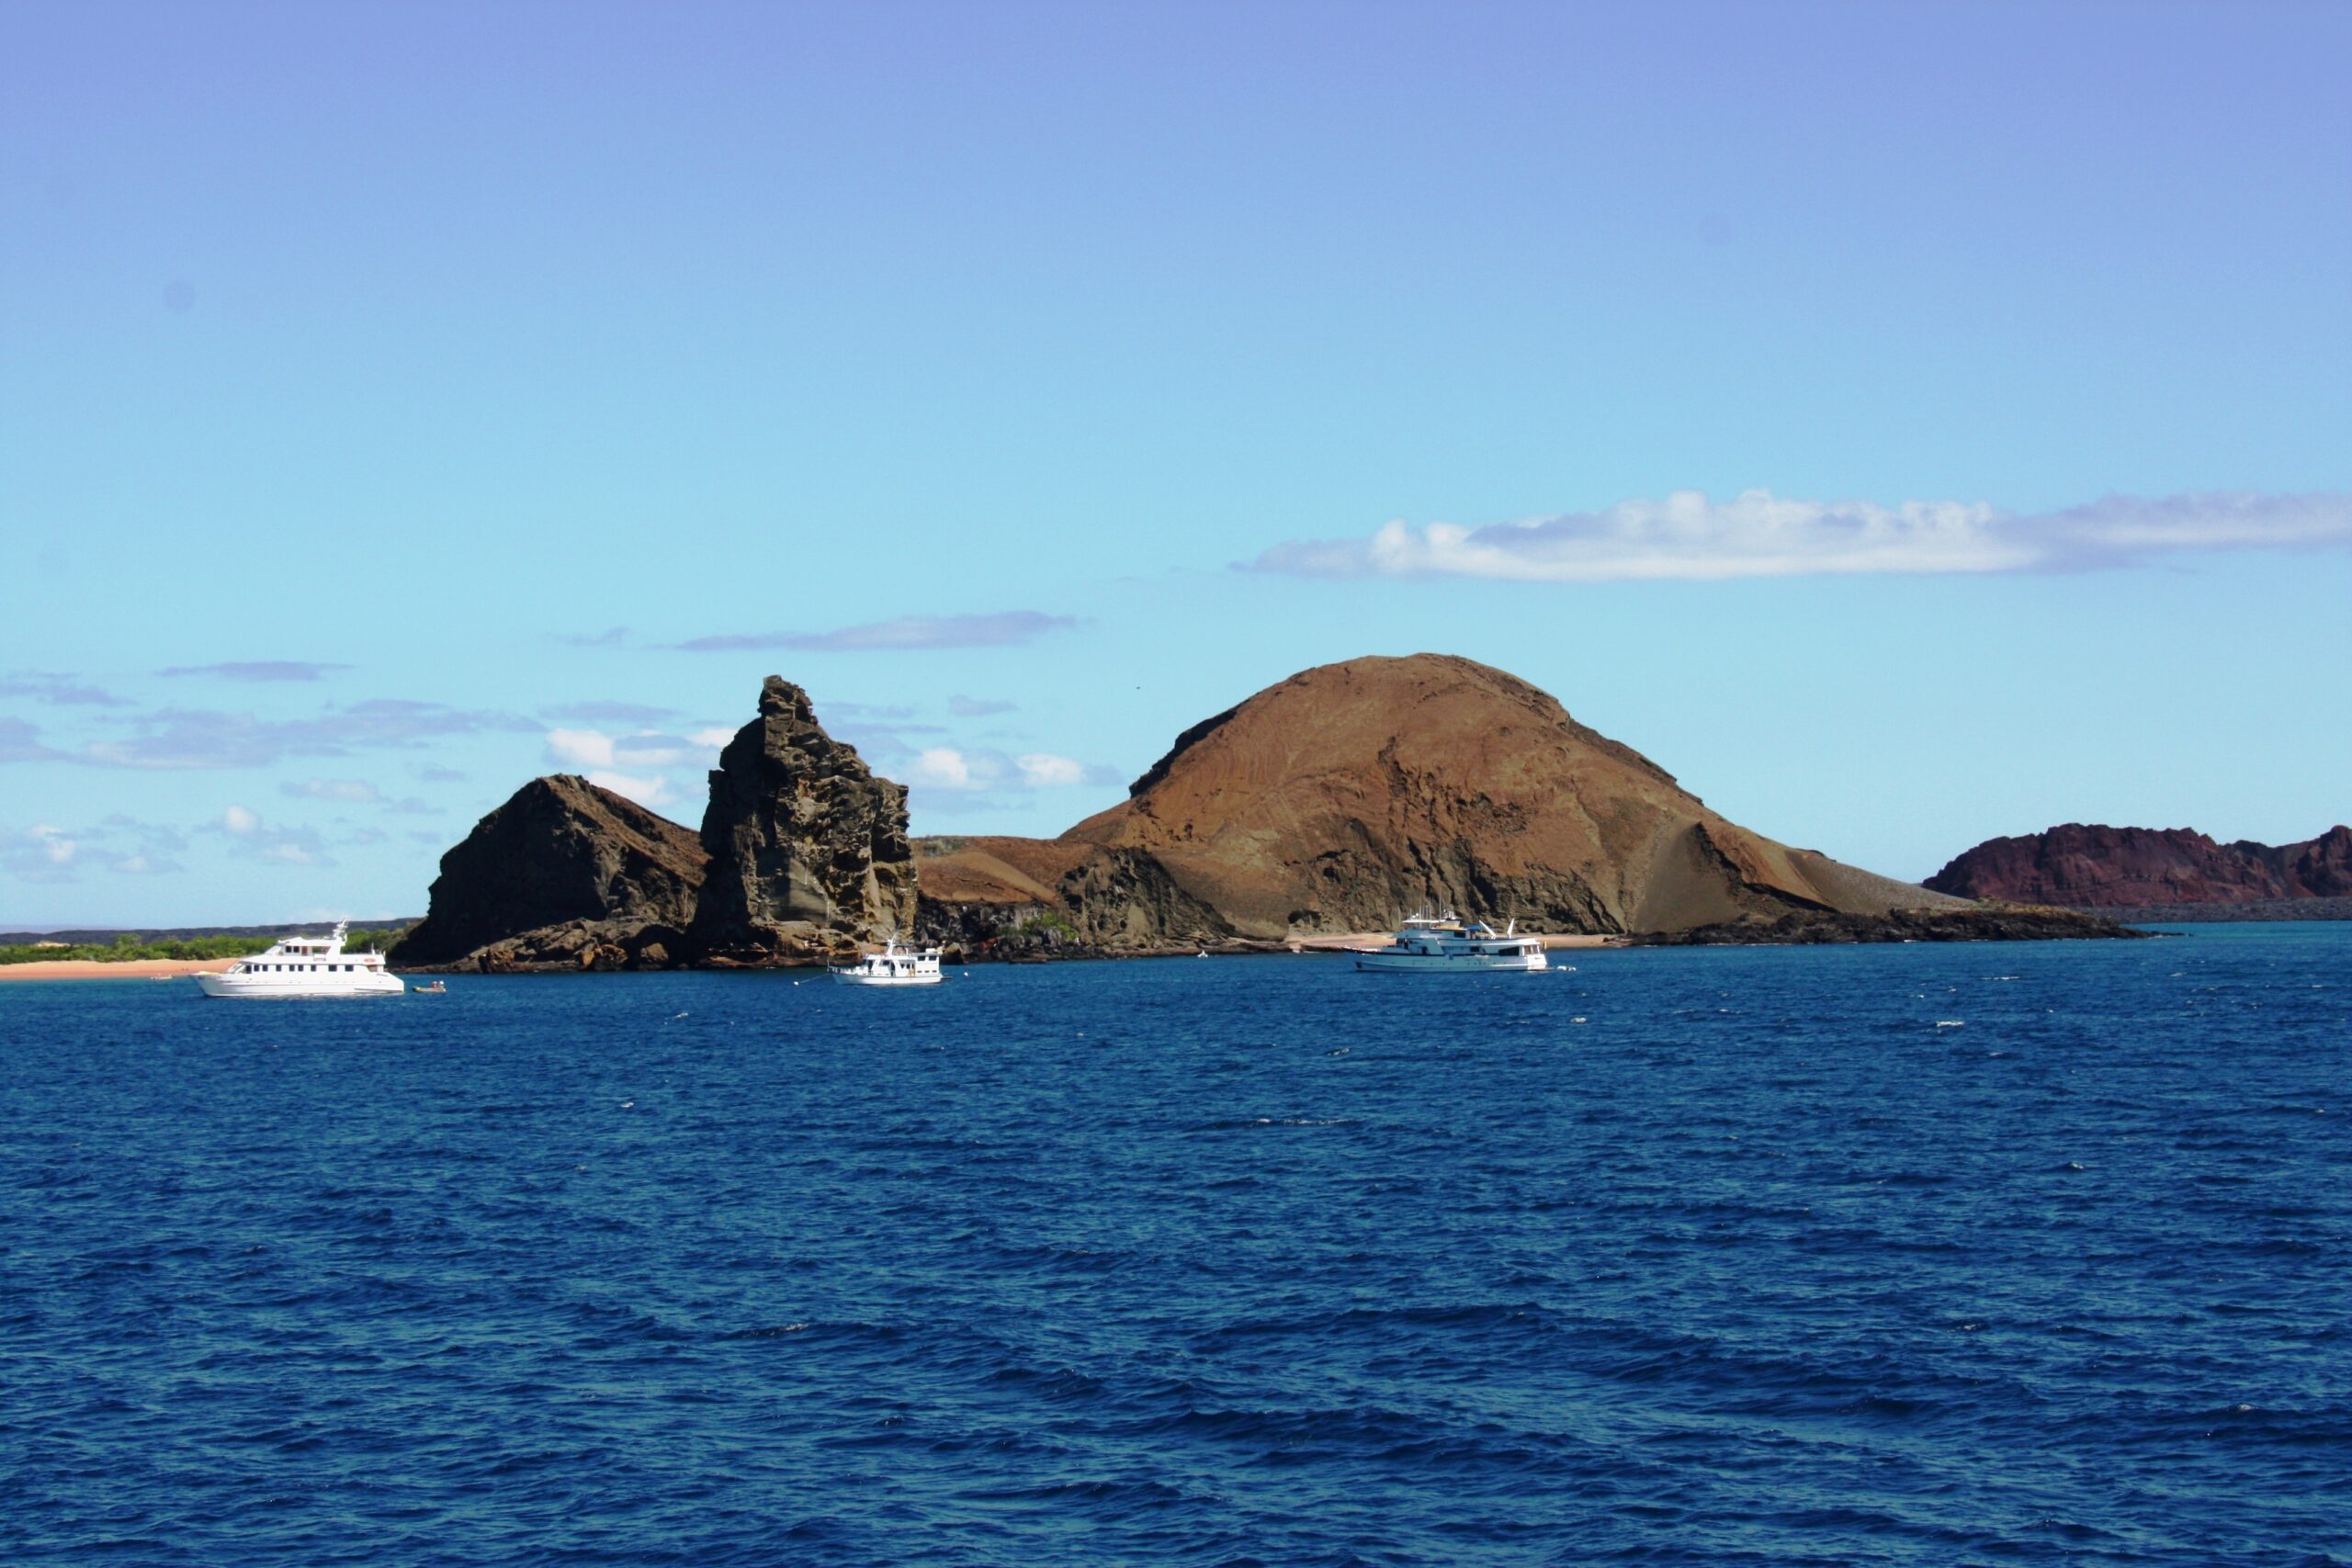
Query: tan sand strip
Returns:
{"type": "Point", "coordinates": [102, 969]}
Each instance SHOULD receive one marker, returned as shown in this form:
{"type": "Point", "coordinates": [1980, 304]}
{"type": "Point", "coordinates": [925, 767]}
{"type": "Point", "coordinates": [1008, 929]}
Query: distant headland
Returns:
{"type": "Point", "coordinates": [2167, 874]}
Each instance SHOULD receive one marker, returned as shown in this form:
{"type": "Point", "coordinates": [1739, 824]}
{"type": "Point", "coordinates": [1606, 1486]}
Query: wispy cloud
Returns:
{"type": "Point", "coordinates": [978, 768]}
{"type": "Point", "coordinates": [649, 791]}
{"type": "Point", "coordinates": [49, 686]}
{"type": "Point", "coordinates": [118, 845]}
{"type": "Point", "coordinates": [351, 792]}
{"type": "Point", "coordinates": [963, 707]}
{"type": "Point", "coordinates": [631, 765]}
{"type": "Point", "coordinates": [258, 670]}
{"type": "Point", "coordinates": [186, 738]}
{"type": "Point", "coordinates": [595, 749]}
{"type": "Point", "coordinates": [354, 791]}
{"type": "Point", "coordinates": [878, 712]}
{"type": "Point", "coordinates": [609, 713]}
{"type": "Point", "coordinates": [249, 837]}
{"type": "Point", "coordinates": [1757, 534]}
{"type": "Point", "coordinates": [1002, 630]}
{"type": "Point", "coordinates": [885, 743]}
{"type": "Point", "coordinates": [21, 742]}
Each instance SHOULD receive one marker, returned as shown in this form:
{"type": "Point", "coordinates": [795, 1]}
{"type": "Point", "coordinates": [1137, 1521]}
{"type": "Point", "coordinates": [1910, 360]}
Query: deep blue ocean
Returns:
{"type": "Point", "coordinates": [1988, 1253]}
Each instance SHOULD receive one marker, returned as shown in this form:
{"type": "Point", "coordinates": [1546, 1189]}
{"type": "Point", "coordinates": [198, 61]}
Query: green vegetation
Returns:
{"type": "Point", "coordinates": [129, 949]}
{"type": "Point", "coordinates": [1047, 920]}
{"type": "Point", "coordinates": [382, 941]}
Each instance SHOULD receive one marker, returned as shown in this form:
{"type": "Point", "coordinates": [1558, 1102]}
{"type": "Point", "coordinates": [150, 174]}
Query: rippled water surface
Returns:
{"type": "Point", "coordinates": [2032, 1253]}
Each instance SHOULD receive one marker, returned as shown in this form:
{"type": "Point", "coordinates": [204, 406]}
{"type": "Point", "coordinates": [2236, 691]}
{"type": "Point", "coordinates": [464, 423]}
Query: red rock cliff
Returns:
{"type": "Point", "coordinates": [2094, 866]}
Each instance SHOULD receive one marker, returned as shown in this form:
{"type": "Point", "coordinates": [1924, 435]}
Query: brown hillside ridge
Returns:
{"type": "Point", "coordinates": [1348, 795]}
{"type": "Point", "coordinates": [563, 875]}
{"type": "Point", "coordinates": [2097, 867]}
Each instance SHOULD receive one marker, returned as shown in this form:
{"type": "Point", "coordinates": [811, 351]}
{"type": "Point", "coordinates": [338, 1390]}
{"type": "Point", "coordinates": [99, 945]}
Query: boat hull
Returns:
{"type": "Point", "coordinates": [844, 977]}
{"type": "Point", "coordinates": [299, 987]}
{"type": "Point", "coordinates": [1375, 961]}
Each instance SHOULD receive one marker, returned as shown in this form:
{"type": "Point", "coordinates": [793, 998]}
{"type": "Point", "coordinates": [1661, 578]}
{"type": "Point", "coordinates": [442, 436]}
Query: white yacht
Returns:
{"type": "Point", "coordinates": [306, 966]}
{"type": "Point", "coordinates": [1444, 942]}
{"type": "Point", "coordinates": [894, 965]}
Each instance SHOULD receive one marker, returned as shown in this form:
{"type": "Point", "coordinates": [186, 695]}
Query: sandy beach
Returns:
{"type": "Point", "coordinates": [125, 969]}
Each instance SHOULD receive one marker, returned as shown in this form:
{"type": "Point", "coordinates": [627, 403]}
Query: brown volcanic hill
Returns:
{"type": "Point", "coordinates": [1347, 797]}
{"type": "Point", "coordinates": [2094, 866]}
{"type": "Point", "coordinates": [808, 850]}
{"type": "Point", "coordinates": [565, 873]}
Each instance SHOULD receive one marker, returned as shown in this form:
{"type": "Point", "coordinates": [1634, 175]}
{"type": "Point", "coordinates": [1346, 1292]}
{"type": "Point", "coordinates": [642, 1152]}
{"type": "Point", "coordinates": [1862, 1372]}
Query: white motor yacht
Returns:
{"type": "Point", "coordinates": [306, 966]}
{"type": "Point", "coordinates": [1446, 942]}
{"type": "Point", "coordinates": [894, 965]}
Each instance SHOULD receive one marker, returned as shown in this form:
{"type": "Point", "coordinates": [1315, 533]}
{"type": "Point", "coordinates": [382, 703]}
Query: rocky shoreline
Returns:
{"type": "Point", "coordinates": [1991, 922]}
{"type": "Point", "coordinates": [2224, 914]}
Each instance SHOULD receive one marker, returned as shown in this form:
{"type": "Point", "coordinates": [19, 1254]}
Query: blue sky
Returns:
{"type": "Point", "coordinates": [1905, 425]}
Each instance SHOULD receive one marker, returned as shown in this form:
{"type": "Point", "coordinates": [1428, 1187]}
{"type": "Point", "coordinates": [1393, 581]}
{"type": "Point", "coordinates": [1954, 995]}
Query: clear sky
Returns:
{"type": "Point", "coordinates": [1905, 424]}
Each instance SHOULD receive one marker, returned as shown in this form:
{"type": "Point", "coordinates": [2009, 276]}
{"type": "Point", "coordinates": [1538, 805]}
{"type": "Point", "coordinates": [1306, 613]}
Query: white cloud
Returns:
{"type": "Point", "coordinates": [579, 748]}
{"type": "Point", "coordinates": [55, 847]}
{"type": "Point", "coordinates": [943, 767]}
{"type": "Point", "coordinates": [586, 749]}
{"type": "Point", "coordinates": [650, 750]}
{"type": "Point", "coordinates": [237, 819]}
{"type": "Point", "coordinates": [648, 791]}
{"type": "Point", "coordinates": [981, 768]}
{"type": "Point", "coordinates": [1042, 769]}
{"type": "Point", "coordinates": [1756, 534]}
{"type": "Point", "coordinates": [630, 764]}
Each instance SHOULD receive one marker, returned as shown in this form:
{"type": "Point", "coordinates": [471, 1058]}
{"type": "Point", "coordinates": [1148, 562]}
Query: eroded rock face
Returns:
{"type": "Point", "coordinates": [1347, 797]}
{"type": "Point", "coordinates": [2094, 866]}
{"type": "Point", "coordinates": [808, 848]}
{"type": "Point", "coordinates": [564, 874]}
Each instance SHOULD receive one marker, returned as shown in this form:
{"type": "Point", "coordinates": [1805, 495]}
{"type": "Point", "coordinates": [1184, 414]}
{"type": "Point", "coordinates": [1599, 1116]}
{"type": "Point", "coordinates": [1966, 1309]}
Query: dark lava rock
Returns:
{"type": "Point", "coordinates": [564, 875]}
{"type": "Point", "coordinates": [808, 848]}
{"type": "Point", "coordinates": [1989, 923]}
{"type": "Point", "coordinates": [2094, 866]}
{"type": "Point", "coordinates": [2218, 914]}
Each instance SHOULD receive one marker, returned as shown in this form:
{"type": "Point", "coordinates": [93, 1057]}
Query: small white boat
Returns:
{"type": "Point", "coordinates": [1444, 943]}
{"type": "Point", "coordinates": [894, 965]}
{"type": "Point", "coordinates": [306, 966]}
